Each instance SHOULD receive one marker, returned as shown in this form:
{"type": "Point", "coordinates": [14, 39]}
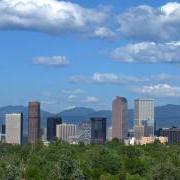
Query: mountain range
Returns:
{"type": "Point", "coordinates": [165, 116]}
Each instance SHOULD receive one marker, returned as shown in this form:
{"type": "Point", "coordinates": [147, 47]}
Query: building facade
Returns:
{"type": "Point", "coordinates": [14, 128]}
{"type": "Point", "coordinates": [119, 118]}
{"type": "Point", "coordinates": [84, 132]}
{"type": "Point", "coordinates": [51, 127]}
{"type": "Point", "coordinates": [144, 117]}
{"type": "Point", "coordinates": [66, 131]}
{"type": "Point", "coordinates": [109, 134]}
{"type": "Point", "coordinates": [173, 134]}
{"type": "Point", "coordinates": [33, 122]}
{"type": "Point", "coordinates": [98, 130]}
{"type": "Point", "coordinates": [3, 129]}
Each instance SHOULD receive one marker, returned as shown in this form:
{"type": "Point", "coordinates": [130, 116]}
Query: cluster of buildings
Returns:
{"type": "Point", "coordinates": [94, 130]}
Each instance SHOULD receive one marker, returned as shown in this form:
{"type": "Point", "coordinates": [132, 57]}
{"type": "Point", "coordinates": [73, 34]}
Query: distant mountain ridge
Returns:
{"type": "Point", "coordinates": [166, 116]}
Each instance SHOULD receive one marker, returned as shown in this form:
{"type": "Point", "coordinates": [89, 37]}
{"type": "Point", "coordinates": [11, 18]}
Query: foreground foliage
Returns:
{"type": "Point", "coordinates": [112, 161]}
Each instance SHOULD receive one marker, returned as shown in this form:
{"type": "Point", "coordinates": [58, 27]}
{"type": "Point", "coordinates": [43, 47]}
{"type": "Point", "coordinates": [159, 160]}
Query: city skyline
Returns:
{"type": "Point", "coordinates": [65, 59]}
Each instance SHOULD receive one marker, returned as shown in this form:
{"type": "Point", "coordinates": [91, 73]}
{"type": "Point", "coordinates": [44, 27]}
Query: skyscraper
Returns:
{"type": "Point", "coordinates": [144, 117]}
{"type": "Point", "coordinates": [51, 127]}
{"type": "Point", "coordinates": [65, 131]}
{"type": "Point", "coordinates": [14, 128]}
{"type": "Point", "coordinates": [33, 122]}
{"type": "Point", "coordinates": [119, 118]}
{"type": "Point", "coordinates": [98, 130]}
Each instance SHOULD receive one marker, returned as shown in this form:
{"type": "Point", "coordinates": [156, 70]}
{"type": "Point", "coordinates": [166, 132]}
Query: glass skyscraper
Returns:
{"type": "Point", "coordinates": [51, 127]}
{"type": "Point", "coordinates": [98, 130]}
{"type": "Point", "coordinates": [144, 117]}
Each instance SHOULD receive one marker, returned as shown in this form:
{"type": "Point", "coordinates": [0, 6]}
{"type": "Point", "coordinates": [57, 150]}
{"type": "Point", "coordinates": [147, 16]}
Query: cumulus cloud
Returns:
{"type": "Point", "coordinates": [103, 32]}
{"type": "Point", "coordinates": [56, 61]}
{"type": "Point", "coordinates": [159, 90]}
{"type": "Point", "coordinates": [148, 52]}
{"type": "Point", "coordinates": [112, 78]}
{"type": "Point", "coordinates": [51, 16]}
{"type": "Point", "coordinates": [147, 23]}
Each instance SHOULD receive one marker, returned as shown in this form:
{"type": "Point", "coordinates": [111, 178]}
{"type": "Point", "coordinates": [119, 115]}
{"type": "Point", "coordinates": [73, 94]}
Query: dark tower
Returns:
{"type": "Point", "coordinates": [98, 130]}
{"type": "Point", "coordinates": [33, 122]}
{"type": "Point", "coordinates": [51, 127]}
{"type": "Point", "coordinates": [3, 129]}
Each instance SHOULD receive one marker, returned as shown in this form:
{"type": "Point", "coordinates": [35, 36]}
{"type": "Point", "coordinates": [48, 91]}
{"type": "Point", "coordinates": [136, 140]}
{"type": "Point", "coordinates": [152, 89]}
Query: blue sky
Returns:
{"type": "Point", "coordinates": [84, 53]}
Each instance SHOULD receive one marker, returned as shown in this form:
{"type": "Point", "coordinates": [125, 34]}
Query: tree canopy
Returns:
{"type": "Point", "coordinates": [111, 161]}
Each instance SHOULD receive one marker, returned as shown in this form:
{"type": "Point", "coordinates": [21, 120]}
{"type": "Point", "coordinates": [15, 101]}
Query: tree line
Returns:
{"type": "Point", "coordinates": [111, 161]}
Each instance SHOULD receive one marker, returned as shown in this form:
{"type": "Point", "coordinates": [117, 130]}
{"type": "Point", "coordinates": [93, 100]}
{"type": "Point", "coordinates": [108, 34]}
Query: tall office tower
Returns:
{"type": "Point", "coordinates": [51, 127]}
{"type": "Point", "coordinates": [33, 122]}
{"type": "Point", "coordinates": [65, 131]}
{"type": "Point", "coordinates": [119, 118]}
{"type": "Point", "coordinates": [98, 130]}
{"type": "Point", "coordinates": [14, 128]}
{"type": "Point", "coordinates": [144, 116]}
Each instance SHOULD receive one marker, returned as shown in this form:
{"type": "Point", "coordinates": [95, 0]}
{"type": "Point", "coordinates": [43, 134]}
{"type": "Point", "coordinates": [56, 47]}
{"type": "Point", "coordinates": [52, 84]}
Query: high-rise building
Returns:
{"type": "Point", "coordinates": [3, 129]}
{"type": "Point", "coordinates": [173, 134]}
{"type": "Point", "coordinates": [84, 132]}
{"type": "Point", "coordinates": [119, 118]}
{"type": "Point", "coordinates": [33, 122]}
{"type": "Point", "coordinates": [65, 131]}
{"type": "Point", "coordinates": [14, 128]}
{"type": "Point", "coordinates": [98, 130]}
{"type": "Point", "coordinates": [144, 117]}
{"type": "Point", "coordinates": [51, 127]}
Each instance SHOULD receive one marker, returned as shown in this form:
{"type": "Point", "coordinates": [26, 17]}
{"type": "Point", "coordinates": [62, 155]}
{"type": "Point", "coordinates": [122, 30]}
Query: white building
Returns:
{"type": "Point", "coordinates": [66, 131]}
{"type": "Point", "coordinates": [144, 116]}
{"type": "Point", "coordinates": [145, 140]}
{"type": "Point", "coordinates": [14, 128]}
{"type": "Point", "coordinates": [109, 134]}
{"type": "Point", "coordinates": [44, 134]}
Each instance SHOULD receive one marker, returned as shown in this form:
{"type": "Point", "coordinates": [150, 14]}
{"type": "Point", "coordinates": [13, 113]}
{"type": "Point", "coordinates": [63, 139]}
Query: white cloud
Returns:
{"type": "Point", "coordinates": [105, 78]}
{"type": "Point", "coordinates": [159, 90]}
{"type": "Point", "coordinates": [91, 99]}
{"type": "Point", "coordinates": [147, 23]}
{"type": "Point", "coordinates": [148, 52]}
{"type": "Point", "coordinates": [79, 97]}
{"type": "Point", "coordinates": [73, 91]}
{"type": "Point", "coordinates": [111, 78]}
{"type": "Point", "coordinates": [78, 79]}
{"type": "Point", "coordinates": [103, 32]}
{"type": "Point", "coordinates": [56, 61]}
{"type": "Point", "coordinates": [50, 16]}
{"type": "Point", "coordinates": [72, 98]}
